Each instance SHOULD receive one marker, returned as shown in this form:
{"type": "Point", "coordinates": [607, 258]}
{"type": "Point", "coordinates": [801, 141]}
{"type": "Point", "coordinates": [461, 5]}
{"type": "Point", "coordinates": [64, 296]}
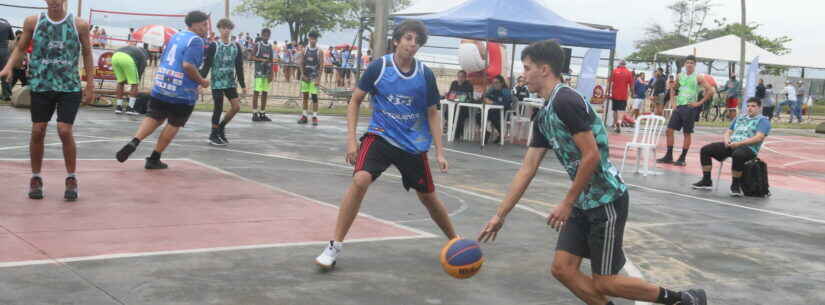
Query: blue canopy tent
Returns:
{"type": "Point", "coordinates": [516, 22]}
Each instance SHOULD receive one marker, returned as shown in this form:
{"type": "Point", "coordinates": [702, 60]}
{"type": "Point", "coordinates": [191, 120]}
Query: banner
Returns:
{"type": "Point", "coordinates": [750, 84]}
{"type": "Point", "coordinates": [587, 75]}
{"type": "Point", "coordinates": [103, 65]}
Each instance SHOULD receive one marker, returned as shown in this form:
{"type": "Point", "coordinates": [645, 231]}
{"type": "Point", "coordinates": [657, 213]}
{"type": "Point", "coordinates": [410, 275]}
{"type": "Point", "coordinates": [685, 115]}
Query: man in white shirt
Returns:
{"type": "Point", "coordinates": [790, 93]}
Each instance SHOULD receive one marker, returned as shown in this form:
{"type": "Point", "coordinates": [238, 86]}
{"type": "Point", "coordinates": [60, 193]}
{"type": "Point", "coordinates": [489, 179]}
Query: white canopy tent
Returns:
{"type": "Point", "coordinates": [726, 48]}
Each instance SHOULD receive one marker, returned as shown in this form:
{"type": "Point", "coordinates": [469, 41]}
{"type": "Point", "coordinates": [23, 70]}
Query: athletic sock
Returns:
{"type": "Point", "coordinates": [71, 175]}
{"type": "Point", "coordinates": [132, 102]}
{"type": "Point", "coordinates": [684, 153]}
{"type": "Point", "coordinates": [668, 297]}
{"type": "Point", "coordinates": [736, 181]}
{"type": "Point", "coordinates": [305, 113]}
{"type": "Point", "coordinates": [155, 155]}
{"type": "Point", "coordinates": [120, 102]}
{"type": "Point", "coordinates": [705, 176]}
{"type": "Point", "coordinates": [315, 114]}
{"type": "Point", "coordinates": [35, 175]}
{"type": "Point", "coordinates": [222, 125]}
{"type": "Point", "coordinates": [669, 153]}
{"type": "Point", "coordinates": [135, 142]}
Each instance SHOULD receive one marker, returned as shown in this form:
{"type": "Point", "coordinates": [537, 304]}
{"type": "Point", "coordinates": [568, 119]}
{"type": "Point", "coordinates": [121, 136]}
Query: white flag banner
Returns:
{"type": "Point", "coordinates": [587, 75]}
{"type": "Point", "coordinates": [750, 84]}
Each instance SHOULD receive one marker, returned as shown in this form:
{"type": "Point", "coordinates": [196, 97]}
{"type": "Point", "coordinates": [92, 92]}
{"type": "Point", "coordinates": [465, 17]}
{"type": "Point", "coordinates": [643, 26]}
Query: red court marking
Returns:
{"type": "Point", "coordinates": [792, 160]}
{"type": "Point", "coordinates": [124, 209]}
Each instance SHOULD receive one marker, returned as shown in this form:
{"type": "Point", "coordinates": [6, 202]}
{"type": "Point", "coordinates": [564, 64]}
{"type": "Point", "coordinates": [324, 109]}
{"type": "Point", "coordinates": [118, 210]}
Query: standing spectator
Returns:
{"type": "Point", "coordinates": [262, 55]}
{"type": "Point", "coordinates": [742, 142]}
{"type": "Point", "coordinates": [297, 57]}
{"type": "Point", "coordinates": [760, 91]}
{"type": "Point", "coordinates": [733, 88]}
{"type": "Point", "coordinates": [768, 102]}
{"type": "Point", "coordinates": [800, 97]}
{"type": "Point", "coordinates": [20, 71]}
{"type": "Point", "coordinates": [622, 80]}
{"type": "Point", "coordinates": [129, 37]}
{"type": "Point", "coordinates": [328, 66]}
{"type": "Point", "coordinates": [659, 91]}
{"type": "Point", "coordinates": [6, 35]}
{"type": "Point", "coordinates": [95, 37]}
{"type": "Point", "coordinates": [286, 61]}
{"type": "Point", "coordinates": [790, 99]}
{"type": "Point", "coordinates": [276, 59]}
{"type": "Point", "coordinates": [498, 94]}
{"type": "Point", "coordinates": [687, 102]}
{"type": "Point", "coordinates": [639, 94]}
{"type": "Point", "coordinates": [310, 66]}
{"type": "Point", "coordinates": [346, 66]}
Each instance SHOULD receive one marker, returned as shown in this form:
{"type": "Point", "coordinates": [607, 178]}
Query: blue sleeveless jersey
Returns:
{"type": "Point", "coordinates": [400, 108]}
{"type": "Point", "coordinates": [171, 82]}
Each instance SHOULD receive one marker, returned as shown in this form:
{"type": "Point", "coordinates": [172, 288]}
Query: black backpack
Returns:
{"type": "Point", "coordinates": [755, 179]}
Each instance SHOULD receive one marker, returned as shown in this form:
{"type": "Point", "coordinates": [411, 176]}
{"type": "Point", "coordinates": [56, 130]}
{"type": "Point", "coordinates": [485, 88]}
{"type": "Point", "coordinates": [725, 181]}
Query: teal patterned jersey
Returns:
{"type": "Point", "coordinates": [223, 69]}
{"type": "Point", "coordinates": [606, 184]}
{"type": "Point", "coordinates": [264, 69]}
{"type": "Point", "coordinates": [745, 127]}
{"type": "Point", "coordinates": [55, 52]}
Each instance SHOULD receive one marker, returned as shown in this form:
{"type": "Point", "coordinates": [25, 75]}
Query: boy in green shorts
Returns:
{"type": "Point", "coordinates": [128, 63]}
{"type": "Point", "coordinates": [262, 56]}
{"type": "Point", "coordinates": [310, 66]}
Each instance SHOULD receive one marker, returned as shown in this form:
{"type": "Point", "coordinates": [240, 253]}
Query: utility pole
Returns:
{"type": "Point", "coordinates": [742, 52]}
{"type": "Point", "coordinates": [382, 12]}
{"type": "Point", "coordinates": [226, 8]}
{"type": "Point", "coordinates": [79, 7]}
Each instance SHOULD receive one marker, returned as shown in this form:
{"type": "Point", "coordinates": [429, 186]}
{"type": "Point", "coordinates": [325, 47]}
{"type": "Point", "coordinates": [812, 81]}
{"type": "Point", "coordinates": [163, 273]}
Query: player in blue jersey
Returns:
{"type": "Point", "coordinates": [176, 89]}
{"type": "Point", "coordinates": [405, 122]}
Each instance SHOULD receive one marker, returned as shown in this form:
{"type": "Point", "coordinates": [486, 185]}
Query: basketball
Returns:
{"type": "Point", "coordinates": [461, 258]}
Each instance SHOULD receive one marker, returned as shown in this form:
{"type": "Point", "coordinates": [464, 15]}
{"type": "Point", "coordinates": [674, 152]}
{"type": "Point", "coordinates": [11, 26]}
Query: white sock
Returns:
{"type": "Point", "coordinates": [315, 114]}
{"type": "Point", "coordinates": [132, 102]}
{"type": "Point", "coordinates": [120, 102]}
{"type": "Point", "coordinates": [337, 245]}
{"type": "Point", "coordinates": [305, 113]}
{"type": "Point", "coordinates": [72, 175]}
{"type": "Point", "coordinates": [35, 175]}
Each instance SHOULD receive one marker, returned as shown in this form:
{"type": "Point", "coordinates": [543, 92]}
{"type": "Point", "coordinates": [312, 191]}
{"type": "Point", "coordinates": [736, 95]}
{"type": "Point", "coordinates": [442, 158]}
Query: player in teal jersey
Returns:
{"type": "Point", "coordinates": [592, 214]}
{"type": "Point", "coordinates": [57, 40]}
{"type": "Point", "coordinates": [225, 59]}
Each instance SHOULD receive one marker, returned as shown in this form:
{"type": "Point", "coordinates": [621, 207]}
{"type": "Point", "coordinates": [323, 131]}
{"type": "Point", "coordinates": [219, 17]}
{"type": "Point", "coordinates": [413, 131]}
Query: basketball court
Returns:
{"type": "Point", "coordinates": [242, 224]}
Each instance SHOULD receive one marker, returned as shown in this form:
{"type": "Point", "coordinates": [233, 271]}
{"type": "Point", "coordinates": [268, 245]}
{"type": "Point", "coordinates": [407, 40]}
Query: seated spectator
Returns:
{"type": "Point", "coordinates": [742, 142]}
{"type": "Point", "coordinates": [498, 94]}
{"type": "Point", "coordinates": [461, 90]}
{"type": "Point", "coordinates": [520, 91]}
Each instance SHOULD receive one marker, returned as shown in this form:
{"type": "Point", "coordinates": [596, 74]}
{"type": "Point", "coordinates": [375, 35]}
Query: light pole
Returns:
{"type": "Point", "coordinates": [79, 7]}
{"type": "Point", "coordinates": [381, 19]}
{"type": "Point", "coordinates": [742, 52]}
{"type": "Point", "coordinates": [226, 8]}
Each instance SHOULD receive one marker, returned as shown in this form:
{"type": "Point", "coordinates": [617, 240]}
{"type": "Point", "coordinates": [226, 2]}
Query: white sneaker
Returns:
{"type": "Point", "coordinates": [327, 258]}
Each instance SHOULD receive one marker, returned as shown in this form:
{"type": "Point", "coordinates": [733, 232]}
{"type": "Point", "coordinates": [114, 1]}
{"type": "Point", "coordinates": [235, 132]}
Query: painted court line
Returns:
{"type": "Point", "coordinates": [820, 221]}
{"type": "Point", "coordinates": [52, 144]}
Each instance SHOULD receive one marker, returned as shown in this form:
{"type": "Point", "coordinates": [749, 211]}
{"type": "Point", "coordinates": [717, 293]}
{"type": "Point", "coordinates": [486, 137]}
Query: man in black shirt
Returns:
{"type": "Point", "coordinates": [659, 85]}
{"type": "Point", "coordinates": [6, 35]}
{"type": "Point", "coordinates": [461, 90]}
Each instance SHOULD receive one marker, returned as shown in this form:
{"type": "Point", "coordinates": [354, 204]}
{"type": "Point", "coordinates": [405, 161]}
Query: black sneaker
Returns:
{"type": "Point", "coordinates": [694, 297]}
{"type": "Point", "coordinates": [735, 190]}
{"type": "Point", "coordinates": [118, 109]}
{"type": "Point", "coordinates": [665, 160]}
{"type": "Point", "coordinates": [703, 185]}
{"type": "Point", "coordinates": [264, 118]}
{"type": "Point", "coordinates": [215, 139]}
{"type": "Point", "coordinates": [303, 120]}
{"type": "Point", "coordinates": [124, 153]}
{"type": "Point", "coordinates": [131, 111]}
{"type": "Point", "coordinates": [255, 117]}
{"type": "Point", "coordinates": [155, 164]}
{"type": "Point", "coordinates": [36, 188]}
{"type": "Point", "coordinates": [222, 135]}
{"type": "Point", "coordinates": [71, 189]}
{"type": "Point", "coordinates": [680, 162]}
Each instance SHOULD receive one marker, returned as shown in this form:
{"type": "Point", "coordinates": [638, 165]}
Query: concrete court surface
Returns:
{"type": "Point", "coordinates": [242, 224]}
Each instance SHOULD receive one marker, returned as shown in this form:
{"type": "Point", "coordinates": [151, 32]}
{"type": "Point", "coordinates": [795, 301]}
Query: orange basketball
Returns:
{"type": "Point", "coordinates": [461, 258]}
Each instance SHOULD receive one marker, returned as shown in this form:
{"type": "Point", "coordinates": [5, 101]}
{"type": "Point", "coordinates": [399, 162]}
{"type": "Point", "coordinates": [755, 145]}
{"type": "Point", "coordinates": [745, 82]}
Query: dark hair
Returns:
{"type": "Point", "coordinates": [546, 52]}
{"type": "Point", "coordinates": [756, 100]}
{"type": "Point", "coordinates": [770, 86]}
{"type": "Point", "coordinates": [462, 72]}
{"type": "Point", "coordinates": [660, 70]}
{"type": "Point", "coordinates": [195, 17]}
{"type": "Point", "coordinates": [265, 31]}
{"type": "Point", "coordinates": [691, 58]}
{"type": "Point", "coordinates": [131, 29]}
{"type": "Point", "coordinates": [314, 34]}
{"type": "Point", "coordinates": [414, 26]}
{"type": "Point", "coordinates": [501, 79]}
{"type": "Point", "coordinates": [225, 24]}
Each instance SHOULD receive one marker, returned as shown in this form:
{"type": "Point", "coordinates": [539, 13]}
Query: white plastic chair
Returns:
{"type": "Point", "coordinates": [646, 136]}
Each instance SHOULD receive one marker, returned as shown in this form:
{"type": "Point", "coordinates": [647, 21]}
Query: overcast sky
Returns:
{"type": "Point", "coordinates": [793, 18]}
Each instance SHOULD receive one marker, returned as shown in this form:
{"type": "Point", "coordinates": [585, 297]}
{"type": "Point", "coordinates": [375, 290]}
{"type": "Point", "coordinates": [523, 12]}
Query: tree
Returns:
{"type": "Point", "coordinates": [301, 16]}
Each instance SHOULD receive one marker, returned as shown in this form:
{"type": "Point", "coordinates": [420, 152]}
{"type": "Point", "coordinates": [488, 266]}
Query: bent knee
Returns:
{"type": "Point", "coordinates": [362, 179]}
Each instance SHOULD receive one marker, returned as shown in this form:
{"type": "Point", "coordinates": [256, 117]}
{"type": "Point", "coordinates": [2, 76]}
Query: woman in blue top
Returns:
{"type": "Point", "coordinates": [498, 94]}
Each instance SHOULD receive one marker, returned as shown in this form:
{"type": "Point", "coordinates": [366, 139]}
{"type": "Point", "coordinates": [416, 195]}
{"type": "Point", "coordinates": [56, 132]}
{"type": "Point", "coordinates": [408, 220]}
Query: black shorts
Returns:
{"type": "Point", "coordinates": [328, 70]}
{"type": "Point", "coordinates": [43, 105]}
{"type": "Point", "coordinates": [230, 93]}
{"type": "Point", "coordinates": [683, 119]}
{"type": "Point", "coordinates": [619, 105]}
{"type": "Point", "coordinates": [176, 114]}
{"type": "Point", "coordinates": [346, 72]}
{"type": "Point", "coordinates": [597, 234]}
{"type": "Point", "coordinates": [376, 154]}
